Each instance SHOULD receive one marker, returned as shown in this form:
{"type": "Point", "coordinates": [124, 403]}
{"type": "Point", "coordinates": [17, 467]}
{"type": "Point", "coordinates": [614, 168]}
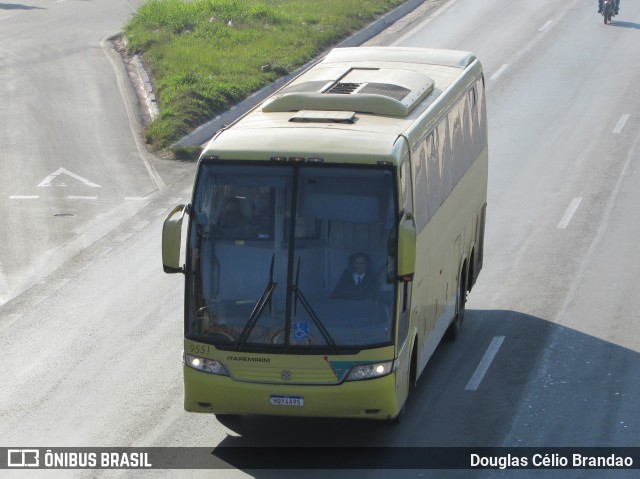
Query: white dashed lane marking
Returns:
{"type": "Point", "coordinates": [571, 210]}
{"type": "Point", "coordinates": [621, 122]}
{"type": "Point", "coordinates": [485, 362]}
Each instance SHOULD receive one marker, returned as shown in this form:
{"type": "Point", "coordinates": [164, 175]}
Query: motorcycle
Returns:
{"type": "Point", "coordinates": [608, 9]}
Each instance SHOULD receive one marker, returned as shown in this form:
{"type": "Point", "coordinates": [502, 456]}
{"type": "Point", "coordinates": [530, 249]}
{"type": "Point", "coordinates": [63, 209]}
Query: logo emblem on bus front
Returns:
{"type": "Point", "coordinates": [286, 375]}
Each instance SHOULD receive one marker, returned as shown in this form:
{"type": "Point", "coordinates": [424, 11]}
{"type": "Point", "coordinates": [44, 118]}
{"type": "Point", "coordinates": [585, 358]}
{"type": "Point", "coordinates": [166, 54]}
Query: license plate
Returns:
{"type": "Point", "coordinates": [297, 401]}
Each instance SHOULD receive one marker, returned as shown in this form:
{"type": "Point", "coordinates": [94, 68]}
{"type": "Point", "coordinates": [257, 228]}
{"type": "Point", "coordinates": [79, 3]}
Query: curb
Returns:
{"type": "Point", "coordinates": [141, 81]}
{"type": "Point", "coordinates": [150, 97]}
{"type": "Point", "coordinates": [206, 131]}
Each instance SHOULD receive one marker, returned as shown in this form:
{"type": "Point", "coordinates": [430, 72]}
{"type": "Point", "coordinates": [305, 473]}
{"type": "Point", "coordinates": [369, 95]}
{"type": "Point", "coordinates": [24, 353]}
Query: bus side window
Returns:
{"type": "Point", "coordinates": [445, 157]}
{"type": "Point", "coordinates": [419, 160]}
{"type": "Point", "coordinates": [473, 99]}
{"type": "Point", "coordinates": [457, 141]}
{"type": "Point", "coordinates": [434, 177]}
{"type": "Point", "coordinates": [407, 193]}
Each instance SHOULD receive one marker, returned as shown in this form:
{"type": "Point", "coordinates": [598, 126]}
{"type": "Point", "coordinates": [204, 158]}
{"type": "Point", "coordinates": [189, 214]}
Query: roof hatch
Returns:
{"type": "Point", "coordinates": [381, 91]}
{"type": "Point", "coordinates": [310, 116]}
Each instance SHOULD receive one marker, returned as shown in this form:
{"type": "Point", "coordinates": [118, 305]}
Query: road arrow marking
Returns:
{"type": "Point", "coordinates": [49, 179]}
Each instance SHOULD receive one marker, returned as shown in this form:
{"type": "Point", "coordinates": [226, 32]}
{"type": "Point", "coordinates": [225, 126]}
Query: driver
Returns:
{"type": "Point", "coordinates": [357, 281]}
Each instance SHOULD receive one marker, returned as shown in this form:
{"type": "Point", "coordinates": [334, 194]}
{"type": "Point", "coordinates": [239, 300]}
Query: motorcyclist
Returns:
{"type": "Point", "coordinates": [616, 6]}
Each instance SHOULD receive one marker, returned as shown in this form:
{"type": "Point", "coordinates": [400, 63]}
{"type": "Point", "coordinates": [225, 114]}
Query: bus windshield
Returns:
{"type": "Point", "coordinates": [291, 256]}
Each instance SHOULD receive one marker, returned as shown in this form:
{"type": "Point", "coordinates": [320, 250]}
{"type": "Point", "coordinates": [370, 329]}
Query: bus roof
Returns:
{"type": "Point", "coordinates": [350, 107]}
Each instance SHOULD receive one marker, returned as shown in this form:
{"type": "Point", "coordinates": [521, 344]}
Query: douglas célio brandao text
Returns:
{"type": "Point", "coordinates": [550, 460]}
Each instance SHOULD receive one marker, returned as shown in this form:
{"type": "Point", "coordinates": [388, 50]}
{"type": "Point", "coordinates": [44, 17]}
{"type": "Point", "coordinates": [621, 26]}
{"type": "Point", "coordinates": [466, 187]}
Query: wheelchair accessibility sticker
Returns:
{"type": "Point", "coordinates": [300, 331]}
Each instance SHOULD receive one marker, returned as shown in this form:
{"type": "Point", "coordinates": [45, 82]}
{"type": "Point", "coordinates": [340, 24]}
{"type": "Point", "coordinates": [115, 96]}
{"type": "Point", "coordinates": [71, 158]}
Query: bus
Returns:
{"type": "Point", "coordinates": [369, 166]}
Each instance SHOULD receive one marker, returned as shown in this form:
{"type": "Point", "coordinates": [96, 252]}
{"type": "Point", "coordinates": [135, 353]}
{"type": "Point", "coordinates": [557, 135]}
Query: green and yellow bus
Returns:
{"type": "Point", "coordinates": [369, 167]}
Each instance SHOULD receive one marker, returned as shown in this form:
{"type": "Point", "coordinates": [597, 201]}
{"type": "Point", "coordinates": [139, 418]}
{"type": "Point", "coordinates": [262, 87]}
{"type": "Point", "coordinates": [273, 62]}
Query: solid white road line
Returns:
{"type": "Point", "coordinates": [123, 86]}
{"type": "Point", "coordinates": [485, 362]}
{"type": "Point", "coordinates": [564, 222]}
{"type": "Point", "coordinates": [421, 25]}
{"type": "Point", "coordinates": [4, 288]}
{"type": "Point", "coordinates": [23, 197]}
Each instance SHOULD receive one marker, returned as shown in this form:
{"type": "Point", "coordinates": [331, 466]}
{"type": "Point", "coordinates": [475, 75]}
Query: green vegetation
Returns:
{"type": "Point", "coordinates": [206, 55]}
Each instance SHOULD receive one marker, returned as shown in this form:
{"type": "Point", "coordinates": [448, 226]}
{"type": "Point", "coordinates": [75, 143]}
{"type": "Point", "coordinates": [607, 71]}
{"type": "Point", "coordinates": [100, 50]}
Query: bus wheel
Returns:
{"type": "Point", "coordinates": [453, 331]}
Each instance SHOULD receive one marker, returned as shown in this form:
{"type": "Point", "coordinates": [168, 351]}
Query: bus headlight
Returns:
{"type": "Point", "coordinates": [205, 365]}
{"type": "Point", "coordinates": [370, 371]}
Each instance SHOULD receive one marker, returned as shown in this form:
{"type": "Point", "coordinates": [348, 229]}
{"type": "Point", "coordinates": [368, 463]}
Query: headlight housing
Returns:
{"type": "Point", "coordinates": [370, 371]}
{"type": "Point", "coordinates": [205, 365]}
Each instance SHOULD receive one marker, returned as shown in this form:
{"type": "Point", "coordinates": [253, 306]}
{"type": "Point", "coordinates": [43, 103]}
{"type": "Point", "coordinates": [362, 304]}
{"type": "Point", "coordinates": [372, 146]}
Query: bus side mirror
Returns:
{"type": "Point", "coordinates": [407, 247]}
{"type": "Point", "coordinates": [171, 239]}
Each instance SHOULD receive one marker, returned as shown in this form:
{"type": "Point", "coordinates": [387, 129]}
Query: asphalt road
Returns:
{"type": "Point", "coordinates": [73, 165]}
{"type": "Point", "coordinates": [549, 353]}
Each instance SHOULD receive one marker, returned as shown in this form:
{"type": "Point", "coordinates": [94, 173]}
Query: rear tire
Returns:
{"type": "Point", "coordinates": [453, 331]}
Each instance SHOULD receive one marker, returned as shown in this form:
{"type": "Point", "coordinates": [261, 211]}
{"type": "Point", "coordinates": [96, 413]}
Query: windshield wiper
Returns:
{"type": "Point", "coordinates": [312, 314]}
{"type": "Point", "coordinates": [259, 307]}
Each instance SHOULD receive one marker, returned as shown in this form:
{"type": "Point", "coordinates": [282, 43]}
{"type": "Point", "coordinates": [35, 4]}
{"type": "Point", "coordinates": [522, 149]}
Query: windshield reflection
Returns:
{"type": "Point", "coordinates": [290, 257]}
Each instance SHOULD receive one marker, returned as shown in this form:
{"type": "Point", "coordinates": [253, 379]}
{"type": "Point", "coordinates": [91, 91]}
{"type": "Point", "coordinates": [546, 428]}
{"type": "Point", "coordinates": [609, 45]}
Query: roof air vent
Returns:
{"type": "Point", "coordinates": [378, 91]}
{"type": "Point", "coordinates": [345, 88]}
{"type": "Point", "coordinates": [385, 89]}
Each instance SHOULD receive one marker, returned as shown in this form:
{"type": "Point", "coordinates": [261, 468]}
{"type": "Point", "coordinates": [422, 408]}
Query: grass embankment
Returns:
{"type": "Point", "coordinates": [206, 55]}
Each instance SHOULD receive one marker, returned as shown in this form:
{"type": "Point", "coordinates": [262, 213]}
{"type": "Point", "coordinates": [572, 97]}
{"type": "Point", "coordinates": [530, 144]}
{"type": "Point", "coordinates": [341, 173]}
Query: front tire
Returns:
{"type": "Point", "coordinates": [411, 383]}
